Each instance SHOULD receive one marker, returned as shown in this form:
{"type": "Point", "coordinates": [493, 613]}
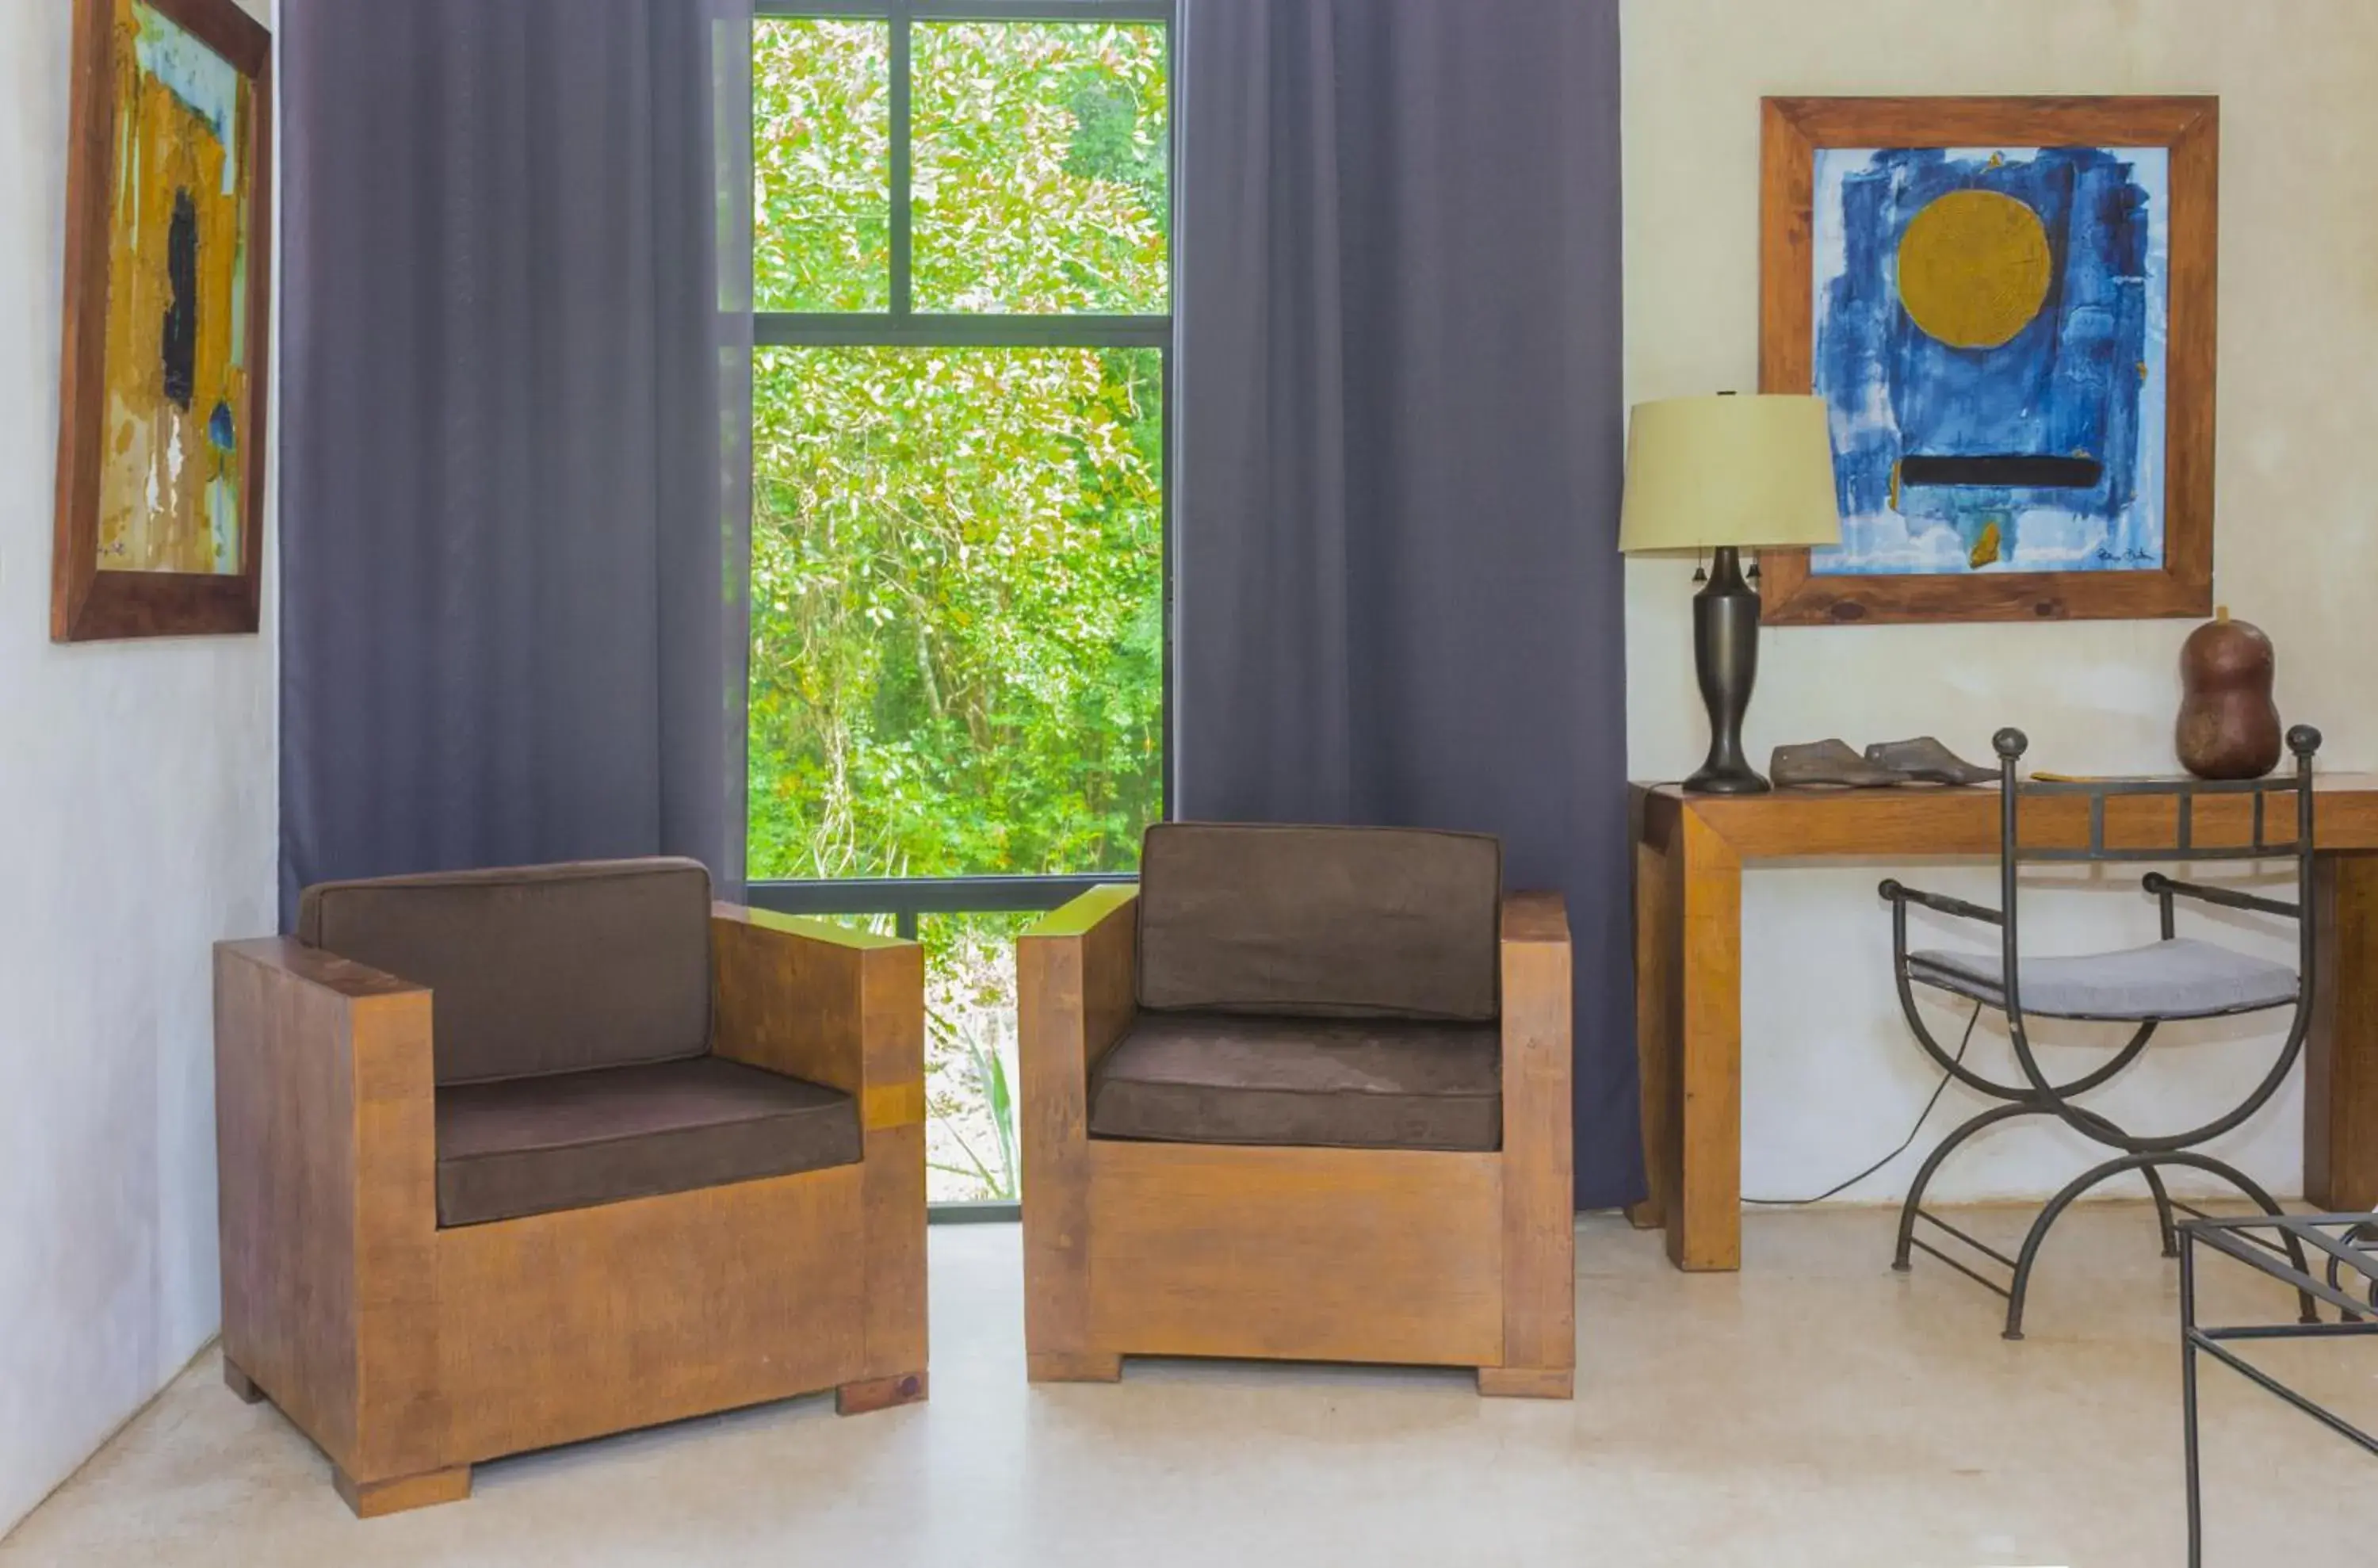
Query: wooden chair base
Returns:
{"type": "Point", "coordinates": [370, 1499]}
{"type": "Point", "coordinates": [1494, 1382]}
{"type": "Point", "coordinates": [1527, 1383]}
{"type": "Point", "coordinates": [240, 1383]}
{"type": "Point", "coordinates": [879, 1393]}
{"type": "Point", "coordinates": [1069, 1367]}
{"type": "Point", "coordinates": [1395, 1257]}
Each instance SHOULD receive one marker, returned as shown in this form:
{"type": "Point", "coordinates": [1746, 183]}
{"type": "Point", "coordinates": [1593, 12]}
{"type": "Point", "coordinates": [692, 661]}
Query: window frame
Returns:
{"type": "Point", "coordinates": [902, 326]}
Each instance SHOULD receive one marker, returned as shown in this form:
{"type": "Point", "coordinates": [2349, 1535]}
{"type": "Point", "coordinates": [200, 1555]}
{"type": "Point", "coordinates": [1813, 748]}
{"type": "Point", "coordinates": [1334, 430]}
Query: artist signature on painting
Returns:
{"type": "Point", "coordinates": [2128, 555]}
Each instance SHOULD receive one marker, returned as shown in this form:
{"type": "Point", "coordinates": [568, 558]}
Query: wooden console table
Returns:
{"type": "Point", "coordinates": [1689, 855]}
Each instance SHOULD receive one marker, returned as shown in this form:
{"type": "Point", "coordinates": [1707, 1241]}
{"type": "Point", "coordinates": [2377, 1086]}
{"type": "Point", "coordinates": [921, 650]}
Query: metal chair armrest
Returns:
{"type": "Point", "coordinates": [2167, 889]}
{"type": "Point", "coordinates": [1898, 893]}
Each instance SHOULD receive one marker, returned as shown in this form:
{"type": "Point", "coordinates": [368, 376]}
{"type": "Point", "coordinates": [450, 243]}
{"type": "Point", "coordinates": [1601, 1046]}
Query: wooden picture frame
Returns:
{"type": "Point", "coordinates": [88, 601]}
{"type": "Point", "coordinates": [1793, 130]}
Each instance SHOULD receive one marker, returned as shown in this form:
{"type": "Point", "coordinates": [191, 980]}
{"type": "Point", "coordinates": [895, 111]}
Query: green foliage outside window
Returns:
{"type": "Point", "coordinates": [821, 166]}
{"type": "Point", "coordinates": [957, 658]}
{"type": "Point", "coordinates": [1041, 168]}
{"type": "Point", "coordinates": [956, 575]}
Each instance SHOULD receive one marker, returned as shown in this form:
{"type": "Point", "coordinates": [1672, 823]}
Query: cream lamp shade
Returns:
{"type": "Point", "coordinates": [1704, 472]}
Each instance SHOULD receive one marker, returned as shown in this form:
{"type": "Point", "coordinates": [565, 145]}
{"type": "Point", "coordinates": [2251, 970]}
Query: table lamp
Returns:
{"type": "Point", "coordinates": [1719, 474]}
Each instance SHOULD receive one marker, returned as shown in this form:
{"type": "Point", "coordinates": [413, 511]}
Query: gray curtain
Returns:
{"type": "Point", "coordinates": [515, 396]}
{"type": "Point", "coordinates": [1400, 427]}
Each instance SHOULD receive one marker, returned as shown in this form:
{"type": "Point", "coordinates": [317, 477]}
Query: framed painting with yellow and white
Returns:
{"type": "Point", "coordinates": [162, 402]}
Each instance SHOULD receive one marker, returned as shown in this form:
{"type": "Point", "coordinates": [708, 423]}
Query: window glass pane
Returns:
{"type": "Point", "coordinates": [821, 165]}
{"type": "Point", "coordinates": [1040, 167]}
{"type": "Point", "coordinates": [971, 1087]}
{"type": "Point", "coordinates": [957, 644]}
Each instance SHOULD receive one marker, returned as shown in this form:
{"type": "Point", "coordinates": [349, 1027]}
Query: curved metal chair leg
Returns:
{"type": "Point", "coordinates": [1933, 1162]}
{"type": "Point", "coordinates": [2113, 1135]}
{"type": "Point", "coordinates": [2039, 1228]}
{"type": "Point", "coordinates": [2091, 1177]}
{"type": "Point", "coordinates": [2163, 1212]}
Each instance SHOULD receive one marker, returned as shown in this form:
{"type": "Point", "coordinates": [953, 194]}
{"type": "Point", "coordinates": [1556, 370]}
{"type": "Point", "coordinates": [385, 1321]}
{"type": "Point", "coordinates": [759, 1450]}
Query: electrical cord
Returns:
{"type": "Point", "coordinates": [1904, 1143]}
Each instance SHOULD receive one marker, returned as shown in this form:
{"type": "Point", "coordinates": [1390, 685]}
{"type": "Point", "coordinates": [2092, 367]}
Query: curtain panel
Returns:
{"type": "Point", "coordinates": [1398, 594]}
{"type": "Point", "coordinates": [514, 483]}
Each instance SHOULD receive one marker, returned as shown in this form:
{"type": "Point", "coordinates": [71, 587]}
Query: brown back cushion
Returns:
{"type": "Point", "coordinates": [1319, 922]}
{"type": "Point", "coordinates": [536, 970]}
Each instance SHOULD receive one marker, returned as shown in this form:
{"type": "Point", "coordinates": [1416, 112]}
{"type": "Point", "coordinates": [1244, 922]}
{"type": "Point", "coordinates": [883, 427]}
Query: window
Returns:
{"type": "Point", "coordinates": [959, 657]}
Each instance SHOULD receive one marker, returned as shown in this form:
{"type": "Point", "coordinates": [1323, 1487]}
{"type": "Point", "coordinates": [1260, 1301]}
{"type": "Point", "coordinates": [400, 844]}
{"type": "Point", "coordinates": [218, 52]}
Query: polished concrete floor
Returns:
{"type": "Point", "coordinates": [1814, 1409]}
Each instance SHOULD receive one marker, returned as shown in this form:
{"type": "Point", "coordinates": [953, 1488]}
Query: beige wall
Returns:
{"type": "Point", "coordinates": [1830, 1079]}
{"type": "Point", "coordinates": [138, 822]}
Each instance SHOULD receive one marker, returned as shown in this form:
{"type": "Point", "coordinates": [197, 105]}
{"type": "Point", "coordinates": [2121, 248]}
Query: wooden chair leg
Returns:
{"type": "Point", "coordinates": [1072, 1367]}
{"type": "Point", "coordinates": [372, 1499]}
{"type": "Point", "coordinates": [239, 1382]}
{"type": "Point", "coordinates": [1527, 1383]}
{"type": "Point", "coordinates": [879, 1394]}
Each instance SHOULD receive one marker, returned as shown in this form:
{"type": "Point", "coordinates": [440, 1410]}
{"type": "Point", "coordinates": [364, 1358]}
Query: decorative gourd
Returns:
{"type": "Point", "coordinates": [2228, 726]}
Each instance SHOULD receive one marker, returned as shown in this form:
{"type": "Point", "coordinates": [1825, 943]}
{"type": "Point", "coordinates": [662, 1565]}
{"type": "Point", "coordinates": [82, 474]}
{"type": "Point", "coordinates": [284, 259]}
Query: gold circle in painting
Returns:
{"type": "Point", "coordinates": [1974, 268]}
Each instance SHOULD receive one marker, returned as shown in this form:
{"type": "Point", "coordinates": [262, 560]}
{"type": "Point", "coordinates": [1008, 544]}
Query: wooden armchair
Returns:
{"type": "Point", "coordinates": [657, 1158]}
{"type": "Point", "coordinates": [1304, 1094]}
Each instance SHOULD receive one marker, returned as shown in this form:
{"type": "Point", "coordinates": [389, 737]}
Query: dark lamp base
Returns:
{"type": "Point", "coordinates": [1727, 781]}
{"type": "Point", "coordinates": [1726, 658]}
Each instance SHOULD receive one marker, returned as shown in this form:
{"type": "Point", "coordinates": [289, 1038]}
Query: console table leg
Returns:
{"type": "Point", "coordinates": [1705, 1218]}
{"type": "Point", "coordinates": [2341, 1055]}
{"type": "Point", "coordinates": [1657, 932]}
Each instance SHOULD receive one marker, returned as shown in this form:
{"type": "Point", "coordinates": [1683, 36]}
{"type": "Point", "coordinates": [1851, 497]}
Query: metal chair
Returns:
{"type": "Point", "coordinates": [2168, 981]}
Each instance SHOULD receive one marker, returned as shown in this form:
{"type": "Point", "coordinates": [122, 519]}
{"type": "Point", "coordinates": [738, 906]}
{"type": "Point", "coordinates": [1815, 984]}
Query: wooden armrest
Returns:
{"type": "Point", "coordinates": [1086, 912]}
{"type": "Point", "coordinates": [282, 1005]}
{"type": "Point", "coordinates": [844, 1008]}
{"type": "Point", "coordinates": [1537, 1012]}
{"type": "Point", "coordinates": [1539, 1193]}
{"type": "Point", "coordinates": [1076, 987]}
{"type": "Point", "coordinates": [822, 1002]}
{"type": "Point", "coordinates": [287, 1015]}
{"type": "Point", "coordinates": [1539, 1190]}
{"type": "Point", "coordinates": [1074, 999]}
{"type": "Point", "coordinates": [326, 1155]}
{"type": "Point", "coordinates": [1536, 918]}
{"type": "Point", "coordinates": [294, 964]}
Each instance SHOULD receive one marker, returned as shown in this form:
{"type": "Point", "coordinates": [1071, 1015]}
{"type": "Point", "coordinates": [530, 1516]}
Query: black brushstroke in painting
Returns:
{"type": "Point", "coordinates": [181, 337]}
{"type": "Point", "coordinates": [2013, 471]}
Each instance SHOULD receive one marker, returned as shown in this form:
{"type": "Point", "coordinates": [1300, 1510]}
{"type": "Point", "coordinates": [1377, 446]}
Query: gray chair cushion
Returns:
{"type": "Point", "coordinates": [536, 970]}
{"type": "Point", "coordinates": [569, 1140]}
{"type": "Point", "coordinates": [1319, 922]}
{"type": "Point", "coordinates": [2182, 979]}
{"type": "Point", "coordinates": [1347, 1084]}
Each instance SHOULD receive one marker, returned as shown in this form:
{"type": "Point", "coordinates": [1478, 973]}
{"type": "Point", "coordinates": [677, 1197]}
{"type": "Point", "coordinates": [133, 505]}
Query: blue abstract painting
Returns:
{"type": "Point", "coordinates": [1990, 333]}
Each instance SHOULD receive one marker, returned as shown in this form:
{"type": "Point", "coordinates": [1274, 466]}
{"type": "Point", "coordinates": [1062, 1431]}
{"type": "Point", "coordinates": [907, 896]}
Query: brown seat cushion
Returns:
{"type": "Point", "coordinates": [568, 1140]}
{"type": "Point", "coordinates": [1319, 922]}
{"type": "Point", "coordinates": [1348, 1083]}
{"type": "Point", "coordinates": [540, 969]}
